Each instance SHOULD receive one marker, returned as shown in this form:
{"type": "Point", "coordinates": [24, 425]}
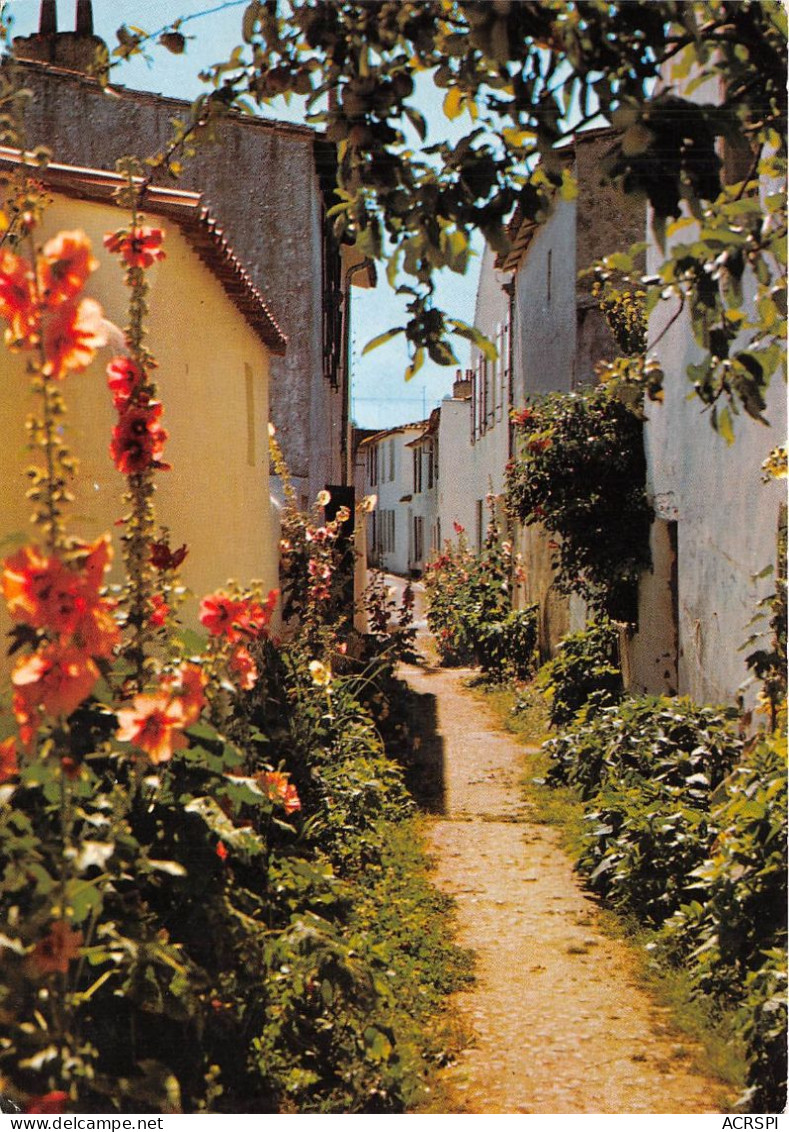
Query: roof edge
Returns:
{"type": "Point", "coordinates": [186, 209]}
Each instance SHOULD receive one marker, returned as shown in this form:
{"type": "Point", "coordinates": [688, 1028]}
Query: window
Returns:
{"type": "Point", "coordinates": [417, 471]}
{"type": "Point", "coordinates": [387, 532]}
{"type": "Point", "coordinates": [249, 380]}
{"type": "Point", "coordinates": [391, 459]}
{"type": "Point", "coordinates": [419, 538]}
{"type": "Point", "coordinates": [430, 466]}
{"type": "Point", "coordinates": [372, 465]}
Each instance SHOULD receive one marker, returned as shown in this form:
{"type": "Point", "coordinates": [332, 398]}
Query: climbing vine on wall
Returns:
{"type": "Point", "coordinates": [580, 472]}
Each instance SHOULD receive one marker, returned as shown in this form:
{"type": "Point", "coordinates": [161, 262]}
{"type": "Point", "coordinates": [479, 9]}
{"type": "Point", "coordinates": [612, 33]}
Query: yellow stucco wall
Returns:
{"type": "Point", "coordinates": [213, 381]}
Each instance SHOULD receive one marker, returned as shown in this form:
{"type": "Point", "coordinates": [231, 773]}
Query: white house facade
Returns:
{"type": "Point", "coordinates": [386, 470]}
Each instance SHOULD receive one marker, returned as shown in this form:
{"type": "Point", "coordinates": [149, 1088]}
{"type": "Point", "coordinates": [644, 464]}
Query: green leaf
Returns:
{"type": "Point", "coordinates": [441, 353]}
{"type": "Point", "coordinates": [380, 339]}
{"type": "Point", "coordinates": [416, 364]}
{"type": "Point", "coordinates": [476, 337]}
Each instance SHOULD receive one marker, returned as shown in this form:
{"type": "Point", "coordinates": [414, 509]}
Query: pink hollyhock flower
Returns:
{"type": "Point", "coordinates": [154, 724]}
{"type": "Point", "coordinates": [72, 335]}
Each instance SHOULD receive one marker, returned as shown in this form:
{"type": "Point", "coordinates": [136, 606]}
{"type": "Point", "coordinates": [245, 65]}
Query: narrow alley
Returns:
{"type": "Point", "coordinates": [557, 1021]}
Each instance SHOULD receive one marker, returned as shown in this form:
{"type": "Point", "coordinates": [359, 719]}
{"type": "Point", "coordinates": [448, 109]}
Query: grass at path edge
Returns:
{"type": "Point", "coordinates": [718, 1049]}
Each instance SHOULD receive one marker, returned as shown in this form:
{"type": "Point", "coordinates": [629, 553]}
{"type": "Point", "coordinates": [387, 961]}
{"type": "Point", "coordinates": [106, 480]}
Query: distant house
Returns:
{"type": "Point", "coordinates": [214, 338]}
{"type": "Point", "coordinates": [270, 182]}
{"type": "Point", "coordinates": [390, 471]}
{"type": "Point", "coordinates": [424, 519]}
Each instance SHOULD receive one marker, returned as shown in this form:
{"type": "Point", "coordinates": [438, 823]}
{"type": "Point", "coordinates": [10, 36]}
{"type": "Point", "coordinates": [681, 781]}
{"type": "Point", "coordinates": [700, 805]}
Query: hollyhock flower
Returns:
{"type": "Point", "coordinates": [187, 684]}
{"type": "Point", "coordinates": [458, 527]}
{"type": "Point", "coordinates": [160, 613]}
{"type": "Point", "coordinates": [343, 515]}
{"type": "Point", "coordinates": [42, 592]}
{"type": "Point", "coordinates": [258, 615]}
{"type": "Point", "coordinates": [138, 440]}
{"type": "Point", "coordinates": [138, 247]}
{"type": "Point", "coordinates": [55, 679]}
{"type": "Point", "coordinates": [64, 267]}
{"type": "Point", "coordinates": [123, 378]}
{"type": "Point", "coordinates": [243, 668]}
{"type": "Point", "coordinates": [162, 558]}
{"type": "Point", "coordinates": [72, 335]}
{"type": "Point", "coordinates": [54, 952]}
{"type": "Point", "coordinates": [323, 499]}
{"type": "Point", "coordinates": [369, 503]}
{"type": "Point", "coordinates": [319, 535]}
{"type": "Point", "coordinates": [320, 673]}
{"type": "Point", "coordinates": [97, 633]}
{"type": "Point", "coordinates": [9, 768]}
{"type": "Point", "coordinates": [154, 724]}
{"type": "Point", "coordinates": [279, 789]}
{"type": "Point", "coordinates": [219, 613]}
{"type": "Point", "coordinates": [53, 1102]}
{"type": "Point", "coordinates": [18, 305]}
{"type": "Point", "coordinates": [221, 851]}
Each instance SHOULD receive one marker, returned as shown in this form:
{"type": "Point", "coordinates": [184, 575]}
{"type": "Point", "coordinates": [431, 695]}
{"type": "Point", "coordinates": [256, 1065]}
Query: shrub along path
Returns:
{"type": "Point", "coordinates": [556, 1020]}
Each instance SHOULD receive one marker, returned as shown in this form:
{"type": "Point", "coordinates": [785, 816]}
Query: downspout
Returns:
{"type": "Point", "coordinates": [345, 455]}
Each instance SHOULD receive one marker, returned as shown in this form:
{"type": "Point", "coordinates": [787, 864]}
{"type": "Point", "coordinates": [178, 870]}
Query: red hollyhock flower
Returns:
{"type": "Point", "coordinates": [279, 789]}
{"type": "Point", "coordinates": [18, 305]}
{"type": "Point", "coordinates": [55, 951]}
{"type": "Point", "coordinates": [220, 614]}
{"type": "Point", "coordinates": [138, 247]}
{"type": "Point", "coordinates": [160, 611]}
{"type": "Point", "coordinates": [94, 560]}
{"type": "Point", "coordinates": [43, 592]}
{"type": "Point", "coordinates": [155, 725]}
{"type": "Point", "coordinates": [64, 267]}
{"type": "Point", "coordinates": [138, 440]}
{"type": "Point", "coordinates": [72, 335]}
{"type": "Point", "coordinates": [55, 679]}
{"type": "Point", "coordinates": [9, 768]}
{"type": "Point", "coordinates": [51, 1102]}
{"type": "Point", "coordinates": [221, 851]}
{"type": "Point", "coordinates": [123, 378]}
{"type": "Point", "coordinates": [243, 668]}
{"type": "Point", "coordinates": [254, 619]}
{"type": "Point", "coordinates": [64, 599]}
{"type": "Point", "coordinates": [187, 684]}
{"type": "Point", "coordinates": [162, 558]}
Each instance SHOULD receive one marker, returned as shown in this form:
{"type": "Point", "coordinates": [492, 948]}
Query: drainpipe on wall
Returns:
{"type": "Point", "coordinates": [345, 455]}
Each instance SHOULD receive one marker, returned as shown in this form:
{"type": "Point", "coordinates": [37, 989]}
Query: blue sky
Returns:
{"type": "Point", "coordinates": [380, 398]}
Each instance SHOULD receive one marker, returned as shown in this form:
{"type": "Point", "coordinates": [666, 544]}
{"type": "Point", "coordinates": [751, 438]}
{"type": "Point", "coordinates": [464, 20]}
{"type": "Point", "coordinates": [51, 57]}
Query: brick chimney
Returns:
{"type": "Point", "coordinates": [78, 50]}
{"type": "Point", "coordinates": [461, 390]}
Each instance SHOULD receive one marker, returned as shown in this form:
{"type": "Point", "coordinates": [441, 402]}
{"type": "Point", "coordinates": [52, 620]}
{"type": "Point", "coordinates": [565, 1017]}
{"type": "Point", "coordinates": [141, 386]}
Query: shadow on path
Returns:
{"type": "Point", "coordinates": [425, 768]}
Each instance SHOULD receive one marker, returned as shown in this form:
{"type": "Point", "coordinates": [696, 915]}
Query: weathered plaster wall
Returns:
{"type": "Point", "coordinates": [545, 317]}
{"type": "Point", "coordinates": [216, 498]}
{"type": "Point", "coordinates": [459, 475]}
{"type": "Point", "coordinates": [727, 522]}
{"type": "Point", "coordinates": [260, 181]}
